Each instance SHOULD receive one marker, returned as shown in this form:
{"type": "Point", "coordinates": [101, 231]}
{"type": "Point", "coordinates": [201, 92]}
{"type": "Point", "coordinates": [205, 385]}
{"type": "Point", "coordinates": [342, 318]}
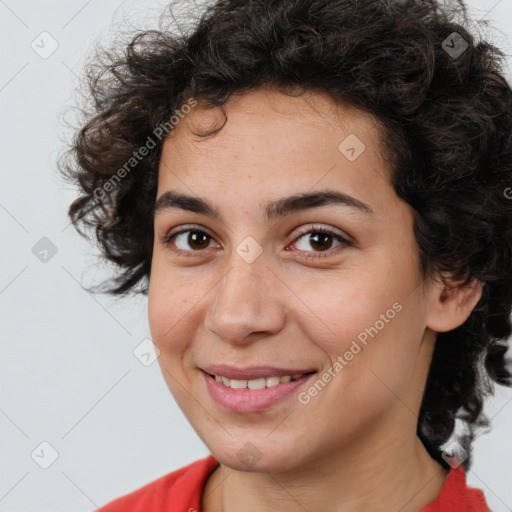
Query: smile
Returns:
{"type": "Point", "coordinates": [253, 395]}
{"type": "Point", "coordinates": [256, 383]}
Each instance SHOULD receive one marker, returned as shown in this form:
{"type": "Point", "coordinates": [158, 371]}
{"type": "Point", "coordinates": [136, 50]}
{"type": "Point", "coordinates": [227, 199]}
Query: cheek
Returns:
{"type": "Point", "coordinates": [365, 326]}
{"type": "Point", "coordinates": [169, 306]}
{"type": "Point", "coordinates": [168, 312]}
{"type": "Point", "coordinates": [340, 309]}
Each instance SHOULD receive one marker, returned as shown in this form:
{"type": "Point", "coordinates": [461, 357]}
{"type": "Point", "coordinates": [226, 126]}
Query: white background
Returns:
{"type": "Point", "coordinates": [68, 373]}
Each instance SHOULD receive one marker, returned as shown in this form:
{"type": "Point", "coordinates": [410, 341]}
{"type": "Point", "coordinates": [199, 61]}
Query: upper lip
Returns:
{"type": "Point", "coordinates": [253, 372]}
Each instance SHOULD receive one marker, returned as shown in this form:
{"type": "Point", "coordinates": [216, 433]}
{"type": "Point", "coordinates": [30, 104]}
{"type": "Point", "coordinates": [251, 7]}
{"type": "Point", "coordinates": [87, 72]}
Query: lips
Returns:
{"type": "Point", "coordinates": [253, 372]}
{"type": "Point", "coordinates": [249, 400]}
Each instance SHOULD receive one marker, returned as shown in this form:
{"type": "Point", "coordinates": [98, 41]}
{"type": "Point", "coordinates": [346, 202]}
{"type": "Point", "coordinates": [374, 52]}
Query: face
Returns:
{"type": "Point", "coordinates": [258, 286]}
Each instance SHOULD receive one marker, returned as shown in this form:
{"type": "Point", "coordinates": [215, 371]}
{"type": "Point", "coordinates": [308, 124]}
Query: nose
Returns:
{"type": "Point", "coordinates": [246, 303]}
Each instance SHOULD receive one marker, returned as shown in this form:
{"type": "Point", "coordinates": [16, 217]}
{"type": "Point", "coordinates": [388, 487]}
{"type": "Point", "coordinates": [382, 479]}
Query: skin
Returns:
{"type": "Point", "coordinates": [353, 447]}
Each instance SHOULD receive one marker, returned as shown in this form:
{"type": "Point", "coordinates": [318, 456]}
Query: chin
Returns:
{"type": "Point", "coordinates": [257, 456]}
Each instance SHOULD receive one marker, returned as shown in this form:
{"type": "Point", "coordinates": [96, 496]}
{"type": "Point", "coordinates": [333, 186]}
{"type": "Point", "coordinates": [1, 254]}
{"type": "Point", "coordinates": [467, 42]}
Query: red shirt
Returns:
{"type": "Point", "coordinates": [181, 491]}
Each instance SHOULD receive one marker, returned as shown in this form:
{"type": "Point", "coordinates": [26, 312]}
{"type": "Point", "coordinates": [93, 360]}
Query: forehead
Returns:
{"type": "Point", "coordinates": [306, 109]}
{"type": "Point", "coordinates": [269, 143]}
{"type": "Point", "coordinates": [266, 121]}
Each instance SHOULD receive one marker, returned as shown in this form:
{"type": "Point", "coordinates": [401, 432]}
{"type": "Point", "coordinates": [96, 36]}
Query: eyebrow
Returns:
{"type": "Point", "coordinates": [275, 209]}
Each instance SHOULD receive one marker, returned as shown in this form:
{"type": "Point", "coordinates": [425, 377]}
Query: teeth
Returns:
{"type": "Point", "coordinates": [238, 384]}
{"type": "Point", "coordinates": [272, 381]}
{"type": "Point", "coordinates": [256, 383]}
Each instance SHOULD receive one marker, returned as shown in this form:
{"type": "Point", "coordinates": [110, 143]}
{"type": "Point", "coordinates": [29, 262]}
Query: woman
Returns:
{"type": "Point", "coordinates": [315, 195]}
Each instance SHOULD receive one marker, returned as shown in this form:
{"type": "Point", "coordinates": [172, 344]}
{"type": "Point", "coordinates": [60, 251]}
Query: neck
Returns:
{"type": "Point", "coordinates": [390, 473]}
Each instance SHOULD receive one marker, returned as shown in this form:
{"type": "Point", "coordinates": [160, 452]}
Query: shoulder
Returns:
{"type": "Point", "coordinates": [456, 496]}
{"type": "Point", "coordinates": [178, 490]}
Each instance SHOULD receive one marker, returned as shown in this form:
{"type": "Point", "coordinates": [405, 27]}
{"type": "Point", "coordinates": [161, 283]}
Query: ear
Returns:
{"type": "Point", "coordinates": [450, 306]}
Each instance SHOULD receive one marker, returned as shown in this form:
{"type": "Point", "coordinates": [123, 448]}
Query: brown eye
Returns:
{"type": "Point", "coordinates": [197, 239]}
{"type": "Point", "coordinates": [191, 240]}
{"type": "Point", "coordinates": [321, 240]}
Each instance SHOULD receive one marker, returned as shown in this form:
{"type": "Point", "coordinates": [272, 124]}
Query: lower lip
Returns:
{"type": "Point", "coordinates": [251, 400]}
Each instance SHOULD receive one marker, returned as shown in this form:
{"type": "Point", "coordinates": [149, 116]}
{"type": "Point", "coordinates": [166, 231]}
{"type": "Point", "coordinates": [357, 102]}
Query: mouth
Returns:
{"type": "Point", "coordinates": [259, 383]}
{"type": "Point", "coordinates": [237, 372]}
{"type": "Point", "coordinates": [262, 388]}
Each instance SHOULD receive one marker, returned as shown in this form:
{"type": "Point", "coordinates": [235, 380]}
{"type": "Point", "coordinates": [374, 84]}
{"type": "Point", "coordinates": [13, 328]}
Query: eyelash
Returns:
{"type": "Point", "coordinates": [167, 240]}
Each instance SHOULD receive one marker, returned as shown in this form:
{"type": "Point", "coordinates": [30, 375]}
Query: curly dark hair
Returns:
{"type": "Point", "coordinates": [446, 112]}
